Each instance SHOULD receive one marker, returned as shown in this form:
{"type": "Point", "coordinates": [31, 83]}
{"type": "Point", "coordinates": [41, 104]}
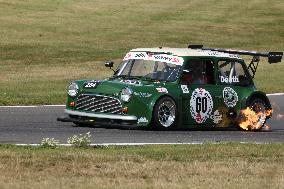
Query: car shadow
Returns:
{"type": "Point", "coordinates": [151, 129]}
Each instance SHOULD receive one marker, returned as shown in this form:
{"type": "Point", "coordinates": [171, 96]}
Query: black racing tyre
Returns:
{"type": "Point", "coordinates": [258, 118]}
{"type": "Point", "coordinates": [164, 114]}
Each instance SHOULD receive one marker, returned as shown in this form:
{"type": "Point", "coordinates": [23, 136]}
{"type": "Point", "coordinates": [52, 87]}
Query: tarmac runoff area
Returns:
{"type": "Point", "coordinates": [28, 125]}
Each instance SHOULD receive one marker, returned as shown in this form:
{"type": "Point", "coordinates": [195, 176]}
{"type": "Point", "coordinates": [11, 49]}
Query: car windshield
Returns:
{"type": "Point", "coordinates": [148, 69]}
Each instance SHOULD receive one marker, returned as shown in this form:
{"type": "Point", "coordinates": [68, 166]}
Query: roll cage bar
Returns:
{"type": "Point", "coordinates": [273, 57]}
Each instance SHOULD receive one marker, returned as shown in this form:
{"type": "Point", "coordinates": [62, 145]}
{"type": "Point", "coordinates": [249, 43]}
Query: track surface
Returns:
{"type": "Point", "coordinates": [32, 124]}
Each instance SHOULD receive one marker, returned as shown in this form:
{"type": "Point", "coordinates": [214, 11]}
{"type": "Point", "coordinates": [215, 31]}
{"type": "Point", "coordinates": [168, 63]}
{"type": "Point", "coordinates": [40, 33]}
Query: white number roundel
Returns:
{"type": "Point", "coordinates": [201, 105]}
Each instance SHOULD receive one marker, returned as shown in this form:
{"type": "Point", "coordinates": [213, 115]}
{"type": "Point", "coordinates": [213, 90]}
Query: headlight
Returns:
{"type": "Point", "coordinates": [73, 89]}
{"type": "Point", "coordinates": [125, 94]}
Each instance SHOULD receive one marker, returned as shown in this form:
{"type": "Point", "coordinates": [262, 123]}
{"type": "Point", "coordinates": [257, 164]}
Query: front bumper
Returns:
{"type": "Point", "coordinates": [98, 118]}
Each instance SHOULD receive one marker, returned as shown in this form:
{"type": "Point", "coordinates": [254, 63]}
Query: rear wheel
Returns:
{"type": "Point", "coordinates": [253, 118]}
{"type": "Point", "coordinates": [165, 113]}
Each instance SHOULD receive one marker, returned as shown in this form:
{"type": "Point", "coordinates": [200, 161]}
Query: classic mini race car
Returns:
{"type": "Point", "coordinates": [167, 88]}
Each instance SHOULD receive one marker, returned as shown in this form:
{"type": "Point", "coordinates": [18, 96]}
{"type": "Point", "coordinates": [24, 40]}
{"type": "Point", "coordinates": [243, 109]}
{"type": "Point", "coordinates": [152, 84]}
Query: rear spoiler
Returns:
{"type": "Point", "coordinates": [273, 57]}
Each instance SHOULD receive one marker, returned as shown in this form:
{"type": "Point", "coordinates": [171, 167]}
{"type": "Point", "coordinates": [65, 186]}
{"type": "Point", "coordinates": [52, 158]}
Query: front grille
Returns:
{"type": "Point", "coordinates": [98, 103]}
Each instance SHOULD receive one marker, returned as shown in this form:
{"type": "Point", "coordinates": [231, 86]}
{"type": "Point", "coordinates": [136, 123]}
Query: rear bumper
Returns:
{"type": "Point", "coordinates": [98, 119]}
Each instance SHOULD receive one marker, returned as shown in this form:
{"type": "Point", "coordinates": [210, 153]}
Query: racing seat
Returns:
{"type": "Point", "coordinates": [187, 78]}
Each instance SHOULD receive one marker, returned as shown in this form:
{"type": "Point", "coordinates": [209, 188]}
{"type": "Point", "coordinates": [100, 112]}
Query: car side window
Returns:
{"type": "Point", "coordinates": [232, 72]}
{"type": "Point", "coordinates": [198, 71]}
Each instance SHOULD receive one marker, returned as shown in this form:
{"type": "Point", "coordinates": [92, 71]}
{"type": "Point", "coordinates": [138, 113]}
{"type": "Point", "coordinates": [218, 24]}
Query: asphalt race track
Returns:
{"type": "Point", "coordinates": [30, 125]}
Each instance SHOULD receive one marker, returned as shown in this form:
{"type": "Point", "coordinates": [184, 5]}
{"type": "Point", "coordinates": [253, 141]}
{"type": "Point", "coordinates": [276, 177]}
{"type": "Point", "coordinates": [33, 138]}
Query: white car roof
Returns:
{"type": "Point", "coordinates": [186, 52]}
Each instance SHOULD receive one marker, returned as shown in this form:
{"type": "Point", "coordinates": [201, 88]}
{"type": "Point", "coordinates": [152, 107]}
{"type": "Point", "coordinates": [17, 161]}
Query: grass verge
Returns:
{"type": "Point", "coordinates": [46, 44]}
{"type": "Point", "coordinates": [172, 166]}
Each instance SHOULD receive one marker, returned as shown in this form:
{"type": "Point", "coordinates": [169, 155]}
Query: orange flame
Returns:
{"type": "Point", "coordinates": [266, 128]}
{"type": "Point", "coordinates": [279, 117]}
{"type": "Point", "coordinates": [250, 120]}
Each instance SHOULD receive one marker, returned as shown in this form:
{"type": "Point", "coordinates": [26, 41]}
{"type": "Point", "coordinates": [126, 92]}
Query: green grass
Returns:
{"type": "Point", "coordinates": [45, 44]}
{"type": "Point", "coordinates": [174, 166]}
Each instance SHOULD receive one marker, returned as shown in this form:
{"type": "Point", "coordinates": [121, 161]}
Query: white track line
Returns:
{"type": "Point", "coordinates": [275, 94]}
{"type": "Point", "coordinates": [144, 144]}
{"type": "Point", "coordinates": [117, 144]}
{"type": "Point", "coordinates": [32, 106]}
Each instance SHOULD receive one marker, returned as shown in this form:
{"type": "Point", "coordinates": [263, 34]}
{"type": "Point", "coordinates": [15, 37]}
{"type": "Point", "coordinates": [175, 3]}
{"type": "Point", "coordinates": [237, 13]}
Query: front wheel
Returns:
{"type": "Point", "coordinates": [253, 118]}
{"type": "Point", "coordinates": [165, 113]}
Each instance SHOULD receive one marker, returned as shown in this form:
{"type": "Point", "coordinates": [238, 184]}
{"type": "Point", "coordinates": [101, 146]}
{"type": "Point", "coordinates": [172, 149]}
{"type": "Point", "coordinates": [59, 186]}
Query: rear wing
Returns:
{"type": "Point", "coordinates": [273, 57]}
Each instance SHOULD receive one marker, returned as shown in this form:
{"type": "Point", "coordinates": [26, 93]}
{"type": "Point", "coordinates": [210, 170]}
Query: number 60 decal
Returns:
{"type": "Point", "coordinates": [201, 105]}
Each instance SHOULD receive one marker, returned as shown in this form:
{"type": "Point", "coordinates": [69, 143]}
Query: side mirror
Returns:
{"type": "Point", "coordinates": [109, 64]}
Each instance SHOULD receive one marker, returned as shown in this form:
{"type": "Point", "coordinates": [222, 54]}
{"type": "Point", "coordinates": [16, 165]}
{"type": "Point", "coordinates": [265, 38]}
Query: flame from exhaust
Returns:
{"type": "Point", "coordinates": [250, 120]}
{"type": "Point", "coordinates": [278, 115]}
{"type": "Point", "coordinates": [266, 127]}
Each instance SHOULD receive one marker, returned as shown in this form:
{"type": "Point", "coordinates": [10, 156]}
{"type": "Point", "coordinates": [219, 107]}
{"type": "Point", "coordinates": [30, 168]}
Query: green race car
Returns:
{"type": "Point", "coordinates": [166, 88]}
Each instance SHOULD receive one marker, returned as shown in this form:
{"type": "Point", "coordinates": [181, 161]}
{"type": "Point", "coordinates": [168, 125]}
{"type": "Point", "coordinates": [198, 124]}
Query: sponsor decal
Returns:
{"type": "Point", "coordinates": [216, 117]}
{"type": "Point", "coordinates": [230, 97]}
{"type": "Point", "coordinates": [143, 95]}
{"type": "Point", "coordinates": [143, 120]}
{"type": "Point", "coordinates": [184, 88]}
{"type": "Point", "coordinates": [131, 82]}
{"type": "Point", "coordinates": [91, 84]}
{"type": "Point", "coordinates": [155, 57]}
{"type": "Point", "coordinates": [201, 105]}
{"type": "Point", "coordinates": [219, 54]}
{"type": "Point", "coordinates": [233, 79]}
{"type": "Point", "coordinates": [162, 90]}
